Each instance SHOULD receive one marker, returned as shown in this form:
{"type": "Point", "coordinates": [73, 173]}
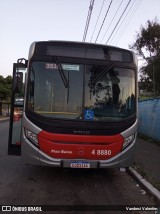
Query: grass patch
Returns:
{"type": "Point", "coordinates": [146, 175]}
{"type": "Point", "coordinates": [146, 97]}
{"type": "Point", "coordinates": [157, 185]}
{"type": "Point", "coordinates": [140, 169]}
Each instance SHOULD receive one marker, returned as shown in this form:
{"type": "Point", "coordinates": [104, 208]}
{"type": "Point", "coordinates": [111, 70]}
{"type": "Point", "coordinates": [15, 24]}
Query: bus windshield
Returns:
{"type": "Point", "coordinates": [93, 92]}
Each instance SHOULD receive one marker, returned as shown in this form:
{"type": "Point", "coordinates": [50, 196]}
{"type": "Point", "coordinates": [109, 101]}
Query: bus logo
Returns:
{"type": "Point", "coordinates": [6, 208]}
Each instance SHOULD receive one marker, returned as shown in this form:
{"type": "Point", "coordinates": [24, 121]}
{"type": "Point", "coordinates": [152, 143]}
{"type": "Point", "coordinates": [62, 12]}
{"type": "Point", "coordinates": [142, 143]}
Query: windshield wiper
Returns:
{"type": "Point", "coordinates": [106, 70]}
{"type": "Point", "coordinates": [62, 74]}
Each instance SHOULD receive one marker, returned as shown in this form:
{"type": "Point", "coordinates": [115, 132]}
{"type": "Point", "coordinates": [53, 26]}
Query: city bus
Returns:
{"type": "Point", "coordinates": [77, 106]}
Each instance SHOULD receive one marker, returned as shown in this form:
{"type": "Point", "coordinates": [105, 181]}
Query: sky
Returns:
{"type": "Point", "coordinates": [25, 21]}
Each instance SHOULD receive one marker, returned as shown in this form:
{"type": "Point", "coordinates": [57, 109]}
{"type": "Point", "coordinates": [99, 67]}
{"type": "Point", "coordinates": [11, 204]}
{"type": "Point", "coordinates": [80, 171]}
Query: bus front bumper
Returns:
{"type": "Point", "coordinates": [36, 157]}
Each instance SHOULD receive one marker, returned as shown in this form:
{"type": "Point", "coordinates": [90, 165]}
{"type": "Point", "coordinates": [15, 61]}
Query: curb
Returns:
{"type": "Point", "coordinates": [149, 188]}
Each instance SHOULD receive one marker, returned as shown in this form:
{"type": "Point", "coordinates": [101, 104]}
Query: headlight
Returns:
{"type": "Point", "coordinates": [31, 136]}
{"type": "Point", "coordinates": [128, 141]}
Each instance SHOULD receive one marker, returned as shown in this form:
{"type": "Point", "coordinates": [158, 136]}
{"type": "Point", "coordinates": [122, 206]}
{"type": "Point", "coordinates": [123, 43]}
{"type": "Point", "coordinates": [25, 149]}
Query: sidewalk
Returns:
{"type": "Point", "coordinates": [147, 164]}
{"type": "Point", "coordinates": [147, 157]}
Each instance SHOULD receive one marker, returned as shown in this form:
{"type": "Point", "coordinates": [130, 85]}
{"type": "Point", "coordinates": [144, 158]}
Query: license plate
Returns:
{"type": "Point", "coordinates": [80, 165]}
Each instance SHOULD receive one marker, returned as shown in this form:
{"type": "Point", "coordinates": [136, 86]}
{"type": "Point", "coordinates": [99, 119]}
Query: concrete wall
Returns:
{"type": "Point", "coordinates": [149, 118]}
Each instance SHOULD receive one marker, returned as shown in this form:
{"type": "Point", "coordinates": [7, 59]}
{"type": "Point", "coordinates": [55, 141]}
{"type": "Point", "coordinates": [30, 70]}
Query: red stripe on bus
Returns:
{"type": "Point", "coordinates": [67, 146]}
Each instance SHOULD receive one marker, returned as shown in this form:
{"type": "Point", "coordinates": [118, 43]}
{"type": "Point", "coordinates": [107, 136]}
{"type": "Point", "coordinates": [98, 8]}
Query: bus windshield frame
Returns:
{"type": "Point", "coordinates": [85, 87]}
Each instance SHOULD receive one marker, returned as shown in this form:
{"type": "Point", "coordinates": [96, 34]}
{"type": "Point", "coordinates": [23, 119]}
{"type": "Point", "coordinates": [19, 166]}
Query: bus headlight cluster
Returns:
{"type": "Point", "coordinates": [128, 141]}
{"type": "Point", "coordinates": [31, 136]}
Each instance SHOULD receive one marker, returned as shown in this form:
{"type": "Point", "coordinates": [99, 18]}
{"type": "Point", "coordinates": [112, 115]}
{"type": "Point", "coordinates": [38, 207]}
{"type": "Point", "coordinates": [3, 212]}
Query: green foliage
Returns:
{"type": "Point", "coordinates": [147, 42]}
{"type": "Point", "coordinates": [5, 88]}
{"type": "Point", "coordinates": [147, 45]}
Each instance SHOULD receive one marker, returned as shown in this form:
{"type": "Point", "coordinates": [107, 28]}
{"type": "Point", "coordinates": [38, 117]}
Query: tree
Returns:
{"type": "Point", "coordinates": [5, 90]}
{"type": "Point", "coordinates": [147, 45]}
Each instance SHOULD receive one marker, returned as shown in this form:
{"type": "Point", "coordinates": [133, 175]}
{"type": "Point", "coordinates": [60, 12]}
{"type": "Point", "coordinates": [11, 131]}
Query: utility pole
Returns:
{"type": "Point", "coordinates": [154, 84]}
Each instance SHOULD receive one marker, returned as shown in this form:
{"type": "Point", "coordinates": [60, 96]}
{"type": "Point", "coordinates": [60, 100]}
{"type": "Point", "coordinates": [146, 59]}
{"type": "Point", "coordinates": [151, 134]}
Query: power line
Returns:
{"type": "Point", "coordinates": [123, 21]}
{"type": "Point", "coordinates": [97, 20]}
{"type": "Point", "coordinates": [118, 21]}
{"type": "Point", "coordinates": [88, 19]}
{"type": "Point", "coordinates": [129, 20]}
{"type": "Point", "coordinates": [112, 20]}
{"type": "Point", "coordinates": [104, 20]}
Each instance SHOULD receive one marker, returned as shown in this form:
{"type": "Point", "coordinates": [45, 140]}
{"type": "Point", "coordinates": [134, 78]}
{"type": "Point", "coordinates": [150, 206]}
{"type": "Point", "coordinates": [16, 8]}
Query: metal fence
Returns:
{"type": "Point", "coordinates": [149, 118]}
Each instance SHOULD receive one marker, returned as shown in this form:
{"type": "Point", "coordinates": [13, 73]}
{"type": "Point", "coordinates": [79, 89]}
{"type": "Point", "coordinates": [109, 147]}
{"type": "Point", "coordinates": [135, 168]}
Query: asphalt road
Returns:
{"type": "Point", "coordinates": [22, 184]}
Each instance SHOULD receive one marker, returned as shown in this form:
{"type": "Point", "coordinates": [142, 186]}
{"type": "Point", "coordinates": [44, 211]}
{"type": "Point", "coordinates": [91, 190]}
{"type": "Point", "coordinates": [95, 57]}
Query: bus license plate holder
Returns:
{"type": "Point", "coordinates": [70, 164]}
{"type": "Point", "coordinates": [80, 165]}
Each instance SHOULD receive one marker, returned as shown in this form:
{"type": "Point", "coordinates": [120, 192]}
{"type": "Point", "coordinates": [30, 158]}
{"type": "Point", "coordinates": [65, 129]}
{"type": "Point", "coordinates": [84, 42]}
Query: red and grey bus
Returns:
{"type": "Point", "coordinates": [79, 108]}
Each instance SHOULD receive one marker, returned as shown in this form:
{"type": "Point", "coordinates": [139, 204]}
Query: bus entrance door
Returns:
{"type": "Point", "coordinates": [17, 103]}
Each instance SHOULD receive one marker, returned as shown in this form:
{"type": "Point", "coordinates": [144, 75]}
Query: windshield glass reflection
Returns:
{"type": "Point", "coordinates": [112, 97]}
{"type": "Point", "coordinates": [93, 92]}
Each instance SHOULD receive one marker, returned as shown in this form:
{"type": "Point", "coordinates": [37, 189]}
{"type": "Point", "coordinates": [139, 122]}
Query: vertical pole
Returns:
{"type": "Point", "coordinates": [154, 85]}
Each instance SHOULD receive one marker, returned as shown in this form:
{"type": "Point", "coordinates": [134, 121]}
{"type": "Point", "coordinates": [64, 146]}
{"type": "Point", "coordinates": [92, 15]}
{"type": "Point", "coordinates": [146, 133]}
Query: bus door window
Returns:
{"type": "Point", "coordinates": [31, 89]}
{"type": "Point", "coordinates": [18, 105]}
